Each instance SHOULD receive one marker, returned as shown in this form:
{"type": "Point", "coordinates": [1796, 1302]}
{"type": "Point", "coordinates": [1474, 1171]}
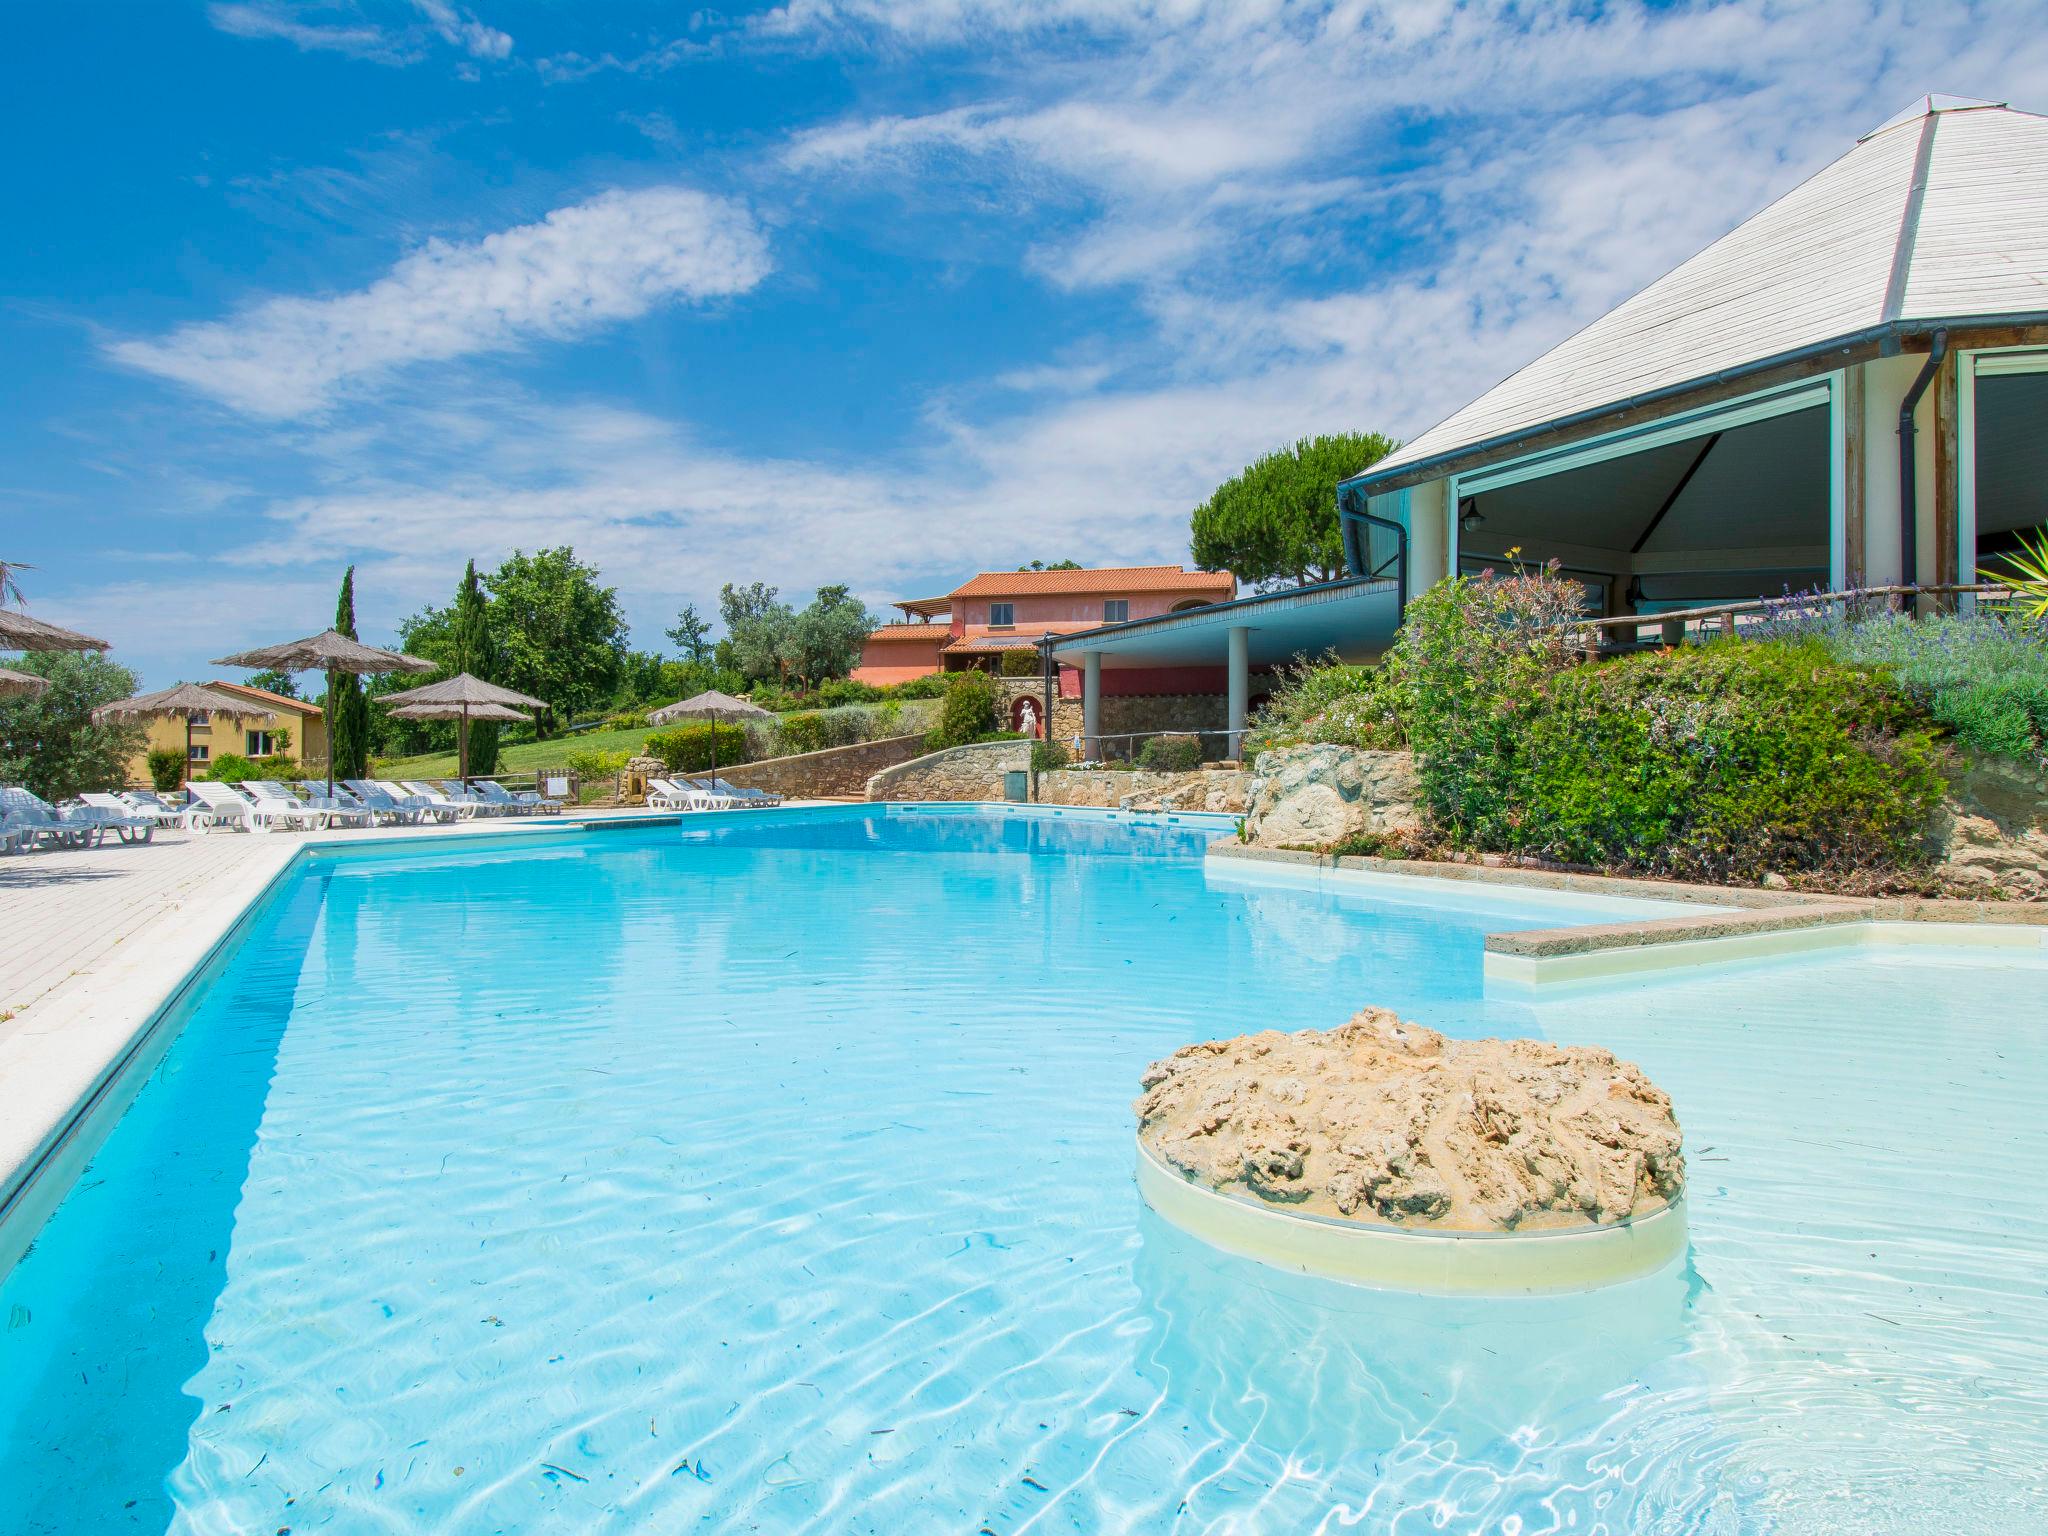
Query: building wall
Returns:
{"type": "Point", "coordinates": [223, 736]}
{"type": "Point", "coordinates": [1080, 609]}
{"type": "Point", "coordinates": [896, 661]}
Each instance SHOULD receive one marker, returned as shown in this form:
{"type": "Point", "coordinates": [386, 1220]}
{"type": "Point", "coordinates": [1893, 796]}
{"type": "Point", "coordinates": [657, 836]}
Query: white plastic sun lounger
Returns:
{"type": "Point", "coordinates": [437, 806]}
{"type": "Point", "coordinates": [330, 811]}
{"type": "Point", "coordinates": [364, 796]}
{"type": "Point", "coordinates": [438, 798]}
{"type": "Point", "coordinates": [130, 825]}
{"type": "Point", "coordinates": [515, 802]}
{"type": "Point", "coordinates": [477, 805]}
{"type": "Point", "coordinates": [147, 802]}
{"type": "Point", "coordinates": [215, 805]}
{"type": "Point", "coordinates": [277, 806]}
{"type": "Point", "coordinates": [668, 795]}
{"type": "Point", "coordinates": [34, 819]}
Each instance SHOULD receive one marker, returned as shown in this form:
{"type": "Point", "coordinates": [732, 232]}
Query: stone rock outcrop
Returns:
{"type": "Point", "coordinates": [1314, 796]}
{"type": "Point", "coordinates": [1980, 857]}
{"type": "Point", "coordinates": [1991, 834]}
{"type": "Point", "coordinates": [1383, 1120]}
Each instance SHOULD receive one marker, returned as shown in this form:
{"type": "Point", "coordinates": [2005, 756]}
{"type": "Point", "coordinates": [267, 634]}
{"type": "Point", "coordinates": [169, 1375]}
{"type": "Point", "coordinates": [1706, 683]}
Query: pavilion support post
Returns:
{"type": "Point", "coordinates": [1947, 483]}
{"type": "Point", "coordinates": [1240, 687]}
{"type": "Point", "coordinates": [1091, 704]}
{"type": "Point", "coordinates": [1852, 471]}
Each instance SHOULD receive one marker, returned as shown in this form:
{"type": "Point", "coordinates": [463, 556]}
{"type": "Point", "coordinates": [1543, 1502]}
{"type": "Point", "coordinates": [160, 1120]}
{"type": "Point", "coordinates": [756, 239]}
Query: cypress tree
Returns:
{"type": "Point", "coordinates": [477, 654]}
{"type": "Point", "coordinates": [351, 711]}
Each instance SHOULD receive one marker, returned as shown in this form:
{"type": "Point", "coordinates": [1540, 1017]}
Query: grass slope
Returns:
{"type": "Point", "coordinates": [519, 757]}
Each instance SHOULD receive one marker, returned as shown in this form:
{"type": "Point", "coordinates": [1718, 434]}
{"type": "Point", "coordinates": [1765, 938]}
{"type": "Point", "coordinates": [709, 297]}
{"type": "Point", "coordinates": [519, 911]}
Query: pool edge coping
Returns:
{"type": "Point", "coordinates": [1736, 923]}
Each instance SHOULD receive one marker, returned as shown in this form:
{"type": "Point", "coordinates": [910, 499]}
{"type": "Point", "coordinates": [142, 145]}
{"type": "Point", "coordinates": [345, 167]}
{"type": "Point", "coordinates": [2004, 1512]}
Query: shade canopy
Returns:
{"type": "Point", "coordinates": [15, 685]}
{"type": "Point", "coordinates": [328, 651]}
{"type": "Point", "coordinates": [710, 702]}
{"type": "Point", "coordinates": [458, 711]}
{"type": "Point", "coordinates": [19, 632]}
{"type": "Point", "coordinates": [187, 699]}
{"type": "Point", "coordinates": [459, 690]}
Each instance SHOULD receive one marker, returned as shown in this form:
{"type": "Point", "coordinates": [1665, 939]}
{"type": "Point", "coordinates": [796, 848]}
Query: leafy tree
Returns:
{"type": "Point", "coordinates": [1057, 565]}
{"type": "Point", "coordinates": [476, 652]}
{"type": "Point", "coordinates": [1277, 521]}
{"type": "Point", "coordinates": [276, 682]}
{"type": "Point", "coordinates": [50, 742]}
{"type": "Point", "coordinates": [757, 631]}
{"type": "Point", "coordinates": [560, 634]}
{"type": "Point", "coordinates": [350, 746]}
{"type": "Point", "coordinates": [691, 633]}
{"type": "Point", "coordinates": [967, 713]}
{"type": "Point", "coordinates": [825, 639]}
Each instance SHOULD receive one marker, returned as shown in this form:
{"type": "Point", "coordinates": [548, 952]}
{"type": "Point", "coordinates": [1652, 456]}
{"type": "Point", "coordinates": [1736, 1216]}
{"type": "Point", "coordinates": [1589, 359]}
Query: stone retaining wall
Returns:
{"type": "Point", "coordinates": [1214, 789]}
{"type": "Point", "coordinates": [836, 773]}
{"type": "Point", "coordinates": [958, 773]}
{"type": "Point", "coordinates": [1315, 796]}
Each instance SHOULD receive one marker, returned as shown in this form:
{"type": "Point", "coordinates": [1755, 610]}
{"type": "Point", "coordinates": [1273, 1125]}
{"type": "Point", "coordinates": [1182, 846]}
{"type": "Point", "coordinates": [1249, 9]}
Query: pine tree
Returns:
{"type": "Point", "coordinates": [350, 710]}
{"type": "Point", "coordinates": [477, 654]}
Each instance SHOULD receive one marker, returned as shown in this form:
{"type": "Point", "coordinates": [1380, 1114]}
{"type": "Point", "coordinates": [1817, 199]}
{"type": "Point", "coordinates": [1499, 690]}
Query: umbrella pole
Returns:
{"type": "Point", "coordinates": [462, 746]}
{"type": "Point", "coordinates": [327, 709]}
{"type": "Point", "coordinates": [714, 752]}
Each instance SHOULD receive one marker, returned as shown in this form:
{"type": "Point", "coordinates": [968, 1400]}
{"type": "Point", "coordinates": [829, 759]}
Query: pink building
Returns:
{"type": "Point", "coordinates": [999, 611]}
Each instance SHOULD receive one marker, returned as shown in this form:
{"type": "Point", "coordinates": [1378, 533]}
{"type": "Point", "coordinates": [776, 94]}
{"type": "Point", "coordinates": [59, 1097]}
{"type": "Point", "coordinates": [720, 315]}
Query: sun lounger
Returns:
{"type": "Point", "coordinates": [216, 805]}
{"type": "Point", "coordinates": [439, 807]}
{"type": "Point", "coordinates": [477, 805]}
{"type": "Point", "coordinates": [439, 798]}
{"type": "Point", "coordinates": [112, 816]}
{"type": "Point", "coordinates": [367, 798]}
{"type": "Point", "coordinates": [147, 802]}
{"type": "Point", "coordinates": [671, 795]}
{"type": "Point", "coordinates": [516, 802]}
{"type": "Point", "coordinates": [756, 798]}
{"type": "Point", "coordinates": [275, 805]}
{"type": "Point", "coordinates": [335, 810]}
{"type": "Point", "coordinates": [34, 820]}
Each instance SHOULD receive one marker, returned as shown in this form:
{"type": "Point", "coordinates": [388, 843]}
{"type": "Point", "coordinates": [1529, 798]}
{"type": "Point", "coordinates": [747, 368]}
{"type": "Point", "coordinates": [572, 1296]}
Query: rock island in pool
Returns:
{"type": "Point", "coordinates": [1383, 1122]}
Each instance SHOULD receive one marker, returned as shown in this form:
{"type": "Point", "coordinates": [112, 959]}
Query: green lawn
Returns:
{"type": "Point", "coordinates": [523, 757]}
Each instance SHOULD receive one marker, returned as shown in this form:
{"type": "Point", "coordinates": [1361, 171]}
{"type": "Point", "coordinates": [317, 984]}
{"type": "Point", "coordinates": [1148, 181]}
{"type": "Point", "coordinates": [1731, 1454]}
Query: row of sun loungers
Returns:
{"type": "Point", "coordinates": [133, 816]}
{"type": "Point", "coordinates": [268, 805]}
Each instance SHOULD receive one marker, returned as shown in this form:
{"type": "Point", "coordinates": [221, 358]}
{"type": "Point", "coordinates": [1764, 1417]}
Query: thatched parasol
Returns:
{"type": "Point", "coordinates": [331, 652]}
{"type": "Point", "coordinates": [187, 699]}
{"type": "Point", "coordinates": [19, 632]}
{"type": "Point", "coordinates": [461, 698]}
{"type": "Point", "coordinates": [17, 685]}
{"type": "Point", "coordinates": [714, 705]}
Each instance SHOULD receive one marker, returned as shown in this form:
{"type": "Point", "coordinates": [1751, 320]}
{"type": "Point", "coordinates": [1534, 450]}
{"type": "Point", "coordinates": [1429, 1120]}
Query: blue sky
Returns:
{"type": "Point", "coordinates": [872, 291]}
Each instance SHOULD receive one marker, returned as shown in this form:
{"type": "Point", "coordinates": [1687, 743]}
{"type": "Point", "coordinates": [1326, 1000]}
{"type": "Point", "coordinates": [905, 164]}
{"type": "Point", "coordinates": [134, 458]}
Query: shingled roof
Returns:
{"type": "Point", "coordinates": [1941, 214]}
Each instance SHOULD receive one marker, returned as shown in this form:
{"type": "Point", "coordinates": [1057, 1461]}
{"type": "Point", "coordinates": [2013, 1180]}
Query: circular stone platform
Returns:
{"type": "Point", "coordinates": [1382, 1153]}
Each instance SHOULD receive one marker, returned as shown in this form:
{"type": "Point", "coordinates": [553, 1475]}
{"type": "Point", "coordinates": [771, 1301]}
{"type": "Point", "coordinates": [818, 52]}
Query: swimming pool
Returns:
{"type": "Point", "coordinates": [775, 1174]}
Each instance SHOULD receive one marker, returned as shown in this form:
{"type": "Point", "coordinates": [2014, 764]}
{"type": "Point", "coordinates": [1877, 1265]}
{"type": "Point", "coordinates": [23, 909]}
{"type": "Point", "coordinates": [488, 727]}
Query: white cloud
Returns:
{"type": "Point", "coordinates": [338, 27]}
{"type": "Point", "coordinates": [612, 258]}
{"type": "Point", "coordinates": [266, 20]}
{"type": "Point", "coordinates": [461, 30]}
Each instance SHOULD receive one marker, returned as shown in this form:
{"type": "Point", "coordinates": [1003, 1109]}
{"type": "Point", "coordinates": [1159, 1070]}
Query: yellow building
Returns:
{"type": "Point", "coordinates": [290, 726]}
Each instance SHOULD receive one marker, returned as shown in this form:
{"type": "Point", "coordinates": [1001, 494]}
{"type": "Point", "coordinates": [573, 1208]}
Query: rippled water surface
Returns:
{"type": "Point", "coordinates": [776, 1176]}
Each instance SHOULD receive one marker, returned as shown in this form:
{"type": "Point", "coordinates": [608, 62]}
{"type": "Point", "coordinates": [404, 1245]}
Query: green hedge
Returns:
{"type": "Point", "coordinates": [688, 748]}
{"type": "Point", "coordinates": [1171, 754]}
{"type": "Point", "coordinates": [1726, 761]}
{"type": "Point", "coordinates": [167, 768]}
{"type": "Point", "coordinates": [967, 713]}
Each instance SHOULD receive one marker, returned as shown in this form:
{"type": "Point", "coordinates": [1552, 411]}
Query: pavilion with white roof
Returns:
{"type": "Point", "coordinates": [1850, 389]}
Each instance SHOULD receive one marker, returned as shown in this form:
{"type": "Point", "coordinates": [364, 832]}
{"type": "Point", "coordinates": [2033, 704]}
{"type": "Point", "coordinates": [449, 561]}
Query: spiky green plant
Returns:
{"type": "Point", "coordinates": [2026, 573]}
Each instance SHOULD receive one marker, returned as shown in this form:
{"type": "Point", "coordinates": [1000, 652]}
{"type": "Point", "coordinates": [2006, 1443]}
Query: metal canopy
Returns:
{"type": "Point", "coordinates": [1355, 619]}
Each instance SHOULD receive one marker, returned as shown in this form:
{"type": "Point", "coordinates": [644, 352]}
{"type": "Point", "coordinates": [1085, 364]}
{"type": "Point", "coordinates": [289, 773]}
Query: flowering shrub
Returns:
{"type": "Point", "coordinates": [1328, 702]}
{"type": "Point", "coordinates": [1471, 658]}
{"type": "Point", "coordinates": [1982, 676]}
{"type": "Point", "coordinates": [1726, 761]}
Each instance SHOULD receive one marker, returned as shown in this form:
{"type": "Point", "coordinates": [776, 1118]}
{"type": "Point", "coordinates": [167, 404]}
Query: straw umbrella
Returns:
{"type": "Point", "coordinates": [19, 632]}
{"type": "Point", "coordinates": [16, 685]}
{"type": "Point", "coordinates": [713, 705]}
{"type": "Point", "coordinates": [331, 652]}
{"type": "Point", "coordinates": [462, 698]}
{"type": "Point", "coordinates": [187, 699]}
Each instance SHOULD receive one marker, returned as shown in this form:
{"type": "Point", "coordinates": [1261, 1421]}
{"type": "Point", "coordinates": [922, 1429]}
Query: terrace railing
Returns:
{"type": "Point", "coordinates": [1623, 631]}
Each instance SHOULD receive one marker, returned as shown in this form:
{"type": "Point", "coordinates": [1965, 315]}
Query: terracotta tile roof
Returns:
{"type": "Point", "coordinates": [910, 632]}
{"type": "Point", "coordinates": [276, 701]}
{"type": "Point", "coordinates": [1110, 581]}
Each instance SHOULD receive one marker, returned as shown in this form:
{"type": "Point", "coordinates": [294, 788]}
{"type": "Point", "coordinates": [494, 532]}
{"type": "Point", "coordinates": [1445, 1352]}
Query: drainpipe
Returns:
{"type": "Point", "coordinates": [1909, 472]}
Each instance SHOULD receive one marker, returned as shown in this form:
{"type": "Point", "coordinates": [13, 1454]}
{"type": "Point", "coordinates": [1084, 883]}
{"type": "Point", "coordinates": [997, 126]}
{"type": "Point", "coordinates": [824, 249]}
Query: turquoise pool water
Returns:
{"type": "Point", "coordinates": [775, 1176]}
